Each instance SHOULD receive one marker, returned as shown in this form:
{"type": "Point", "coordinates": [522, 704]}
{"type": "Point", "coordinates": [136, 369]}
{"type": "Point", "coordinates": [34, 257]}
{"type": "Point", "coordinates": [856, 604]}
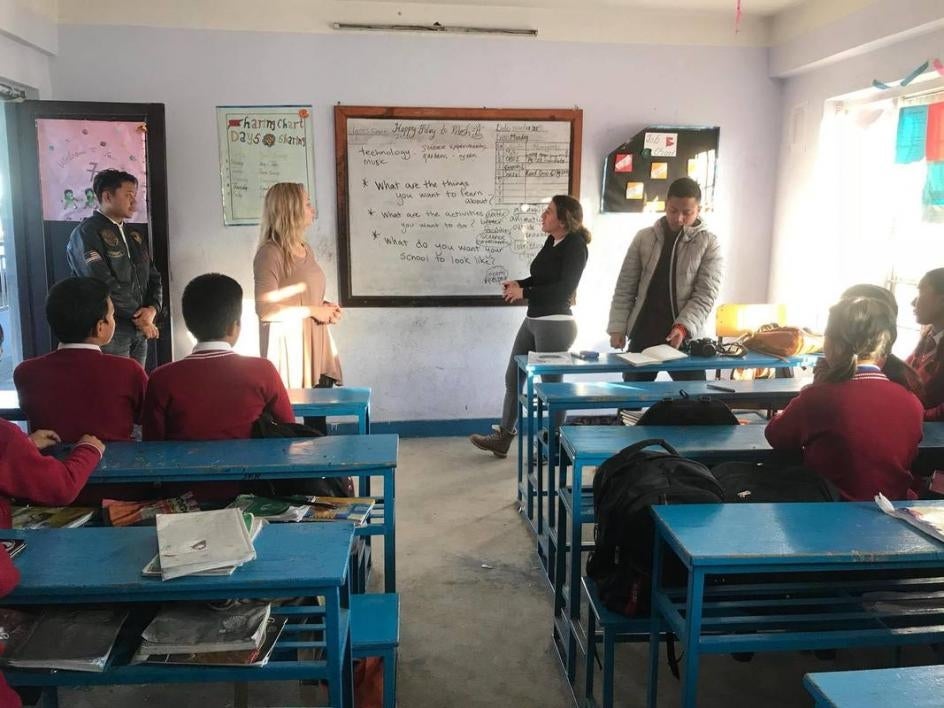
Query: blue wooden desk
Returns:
{"type": "Point", "coordinates": [359, 456]}
{"type": "Point", "coordinates": [611, 363]}
{"type": "Point", "coordinates": [826, 541]}
{"type": "Point", "coordinates": [555, 398]}
{"type": "Point", "coordinates": [913, 687]}
{"type": "Point", "coordinates": [339, 401]}
{"type": "Point", "coordinates": [583, 446]}
{"type": "Point", "coordinates": [103, 565]}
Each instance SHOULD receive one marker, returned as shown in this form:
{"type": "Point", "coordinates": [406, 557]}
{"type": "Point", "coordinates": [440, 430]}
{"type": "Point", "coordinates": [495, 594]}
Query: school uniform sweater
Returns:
{"type": "Point", "coordinates": [555, 275]}
{"type": "Point", "coordinates": [928, 362]}
{"type": "Point", "coordinates": [860, 434]}
{"type": "Point", "coordinates": [78, 390]}
{"type": "Point", "coordinates": [213, 394]}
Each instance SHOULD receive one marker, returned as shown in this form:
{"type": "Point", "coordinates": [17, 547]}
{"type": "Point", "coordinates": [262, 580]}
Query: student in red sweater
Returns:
{"type": "Point", "coordinates": [77, 389]}
{"type": "Point", "coordinates": [855, 427]}
{"type": "Point", "coordinates": [928, 356]}
{"type": "Point", "coordinates": [213, 394]}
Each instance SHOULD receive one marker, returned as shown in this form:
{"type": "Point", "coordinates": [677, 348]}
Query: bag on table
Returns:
{"type": "Point", "coordinates": [688, 411]}
{"type": "Point", "coordinates": [783, 342]}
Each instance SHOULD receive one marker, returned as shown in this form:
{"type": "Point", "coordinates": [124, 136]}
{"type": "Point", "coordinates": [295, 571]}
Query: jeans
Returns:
{"type": "Point", "coordinates": [128, 341]}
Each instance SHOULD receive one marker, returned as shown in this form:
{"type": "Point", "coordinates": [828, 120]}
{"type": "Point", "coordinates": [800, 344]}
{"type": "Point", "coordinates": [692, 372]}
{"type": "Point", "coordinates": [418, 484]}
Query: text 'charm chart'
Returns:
{"type": "Point", "coordinates": [440, 211]}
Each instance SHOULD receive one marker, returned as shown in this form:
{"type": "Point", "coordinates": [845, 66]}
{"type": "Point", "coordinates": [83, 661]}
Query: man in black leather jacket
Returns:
{"type": "Point", "coordinates": [105, 248]}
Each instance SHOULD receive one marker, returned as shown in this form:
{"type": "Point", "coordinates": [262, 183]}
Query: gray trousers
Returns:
{"type": "Point", "coordinates": [534, 336]}
{"type": "Point", "coordinates": [129, 342]}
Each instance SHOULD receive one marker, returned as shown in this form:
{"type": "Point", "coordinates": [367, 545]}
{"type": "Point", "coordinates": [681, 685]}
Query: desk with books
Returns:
{"type": "Point", "coordinates": [608, 364]}
{"type": "Point", "coordinates": [293, 560]}
{"type": "Point", "coordinates": [360, 456]}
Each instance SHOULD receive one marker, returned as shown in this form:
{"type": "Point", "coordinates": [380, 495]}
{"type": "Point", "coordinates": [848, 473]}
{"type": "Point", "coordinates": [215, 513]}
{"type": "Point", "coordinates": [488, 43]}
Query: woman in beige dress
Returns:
{"type": "Point", "coordinates": [290, 288]}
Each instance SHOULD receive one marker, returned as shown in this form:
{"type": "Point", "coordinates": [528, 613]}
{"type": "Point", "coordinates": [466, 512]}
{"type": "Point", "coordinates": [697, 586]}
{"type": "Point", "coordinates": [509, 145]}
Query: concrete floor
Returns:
{"type": "Point", "coordinates": [476, 612]}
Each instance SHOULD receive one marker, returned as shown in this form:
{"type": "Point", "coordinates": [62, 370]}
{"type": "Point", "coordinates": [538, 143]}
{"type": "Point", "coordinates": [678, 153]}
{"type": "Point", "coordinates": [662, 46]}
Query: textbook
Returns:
{"type": "Point", "coordinates": [247, 657]}
{"type": "Point", "coordinates": [652, 355]}
{"type": "Point", "coordinates": [281, 509]}
{"type": "Point", "coordinates": [203, 540]}
{"type": "Point", "coordinates": [550, 358]}
{"type": "Point", "coordinates": [60, 638]}
{"type": "Point", "coordinates": [254, 524]}
{"type": "Point", "coordinates": [126, 513]}
{"type": "Point", "coordinates": [199, 629]}
{"type": "Point", "coordinates": [307, 508]}
{"type": "Point", "coordinates": [356, 509]}
{"type": "Point", "coordinates": [51, 517]}
{"type": "Point", "coordinates": [929, 519]}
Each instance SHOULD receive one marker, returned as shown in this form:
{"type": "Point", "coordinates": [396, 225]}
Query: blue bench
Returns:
{"type": "Point", "coordinates": [827, 548]}
{"type": "Point", "coordinates": [359, 456]}
{"type": "Point", "coordinates": [608, 364]}
{"type": "Point", "coordinates": [914, 687]}
{"type": "Point", "coordinates": [375, 631]}
{"type": "Point", "coordinates": [554, 398]}
{"type": "Point", "coordinates": [293, 560]}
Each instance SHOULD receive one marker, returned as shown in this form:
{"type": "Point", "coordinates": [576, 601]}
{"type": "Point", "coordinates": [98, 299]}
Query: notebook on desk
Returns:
{"type": "Point", "coordinates": [652, 355]}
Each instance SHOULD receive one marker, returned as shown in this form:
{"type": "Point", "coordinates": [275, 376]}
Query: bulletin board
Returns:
{"type": "Point", "coordinates": [637, 174]}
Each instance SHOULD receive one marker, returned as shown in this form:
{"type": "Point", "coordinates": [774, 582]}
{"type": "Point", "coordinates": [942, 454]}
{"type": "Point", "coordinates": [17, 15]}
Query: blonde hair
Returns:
{"type": "Point", "coordinates": [283, 217]}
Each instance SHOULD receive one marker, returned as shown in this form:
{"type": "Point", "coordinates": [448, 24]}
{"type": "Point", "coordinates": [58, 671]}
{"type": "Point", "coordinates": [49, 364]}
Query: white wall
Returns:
{"type": "Point", "coordinates": [799, 254]}
{"type": "Point", "coordinates": [434, 363]}
{"type": "Point", "coordinates": [28, 37]}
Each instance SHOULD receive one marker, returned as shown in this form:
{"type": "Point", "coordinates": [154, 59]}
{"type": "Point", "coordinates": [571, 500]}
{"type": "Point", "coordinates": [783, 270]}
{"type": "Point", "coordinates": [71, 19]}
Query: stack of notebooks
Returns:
{"type": "Point", "coordinates": [241, 635]}
{"type": "Point", "coordinates": [126, 513]}
{"type": "Point", "coordinates": [51, 517]}
{"type": "Point", "coordinates": [305, 508]}
{"type": "Point", "coordinates": [60, 638]}
{"type": "Point", "coordinates": [203, 543]}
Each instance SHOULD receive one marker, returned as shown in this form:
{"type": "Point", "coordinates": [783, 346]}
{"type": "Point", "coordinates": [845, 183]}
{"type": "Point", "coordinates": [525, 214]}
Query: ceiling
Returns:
{"type": "Point", "coordinates": [753, 7]}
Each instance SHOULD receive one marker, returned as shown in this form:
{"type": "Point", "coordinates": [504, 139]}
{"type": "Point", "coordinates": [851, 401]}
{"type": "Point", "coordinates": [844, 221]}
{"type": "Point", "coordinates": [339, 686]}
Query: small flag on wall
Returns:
{"type": "Point", "coordinates": [912, 134]}
{"type": "Point", "coordinates": [934, 185]}
{"type": "Point", "coordinates": [935, 140]}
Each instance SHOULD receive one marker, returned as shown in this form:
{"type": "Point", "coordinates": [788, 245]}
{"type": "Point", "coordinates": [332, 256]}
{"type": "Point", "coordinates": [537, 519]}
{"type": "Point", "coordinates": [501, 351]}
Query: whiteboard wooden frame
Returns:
{"type": "Point", "coordinates": [573, 116]}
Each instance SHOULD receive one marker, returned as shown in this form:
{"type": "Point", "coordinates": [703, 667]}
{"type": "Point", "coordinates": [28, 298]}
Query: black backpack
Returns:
{"type": "Point", "coordinates": [758, 483]}
{"type": "Point", "coordinates": [688, 411]}
{"type": "Point", "coordinates": [624, 488]}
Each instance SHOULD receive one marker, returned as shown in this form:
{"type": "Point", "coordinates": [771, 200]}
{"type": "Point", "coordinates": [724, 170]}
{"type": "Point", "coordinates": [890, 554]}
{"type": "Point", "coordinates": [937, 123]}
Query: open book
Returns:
{"type": "Point", "coordinates": [652, 355]}
{"type": "Point", "coordinates": [929, 519]}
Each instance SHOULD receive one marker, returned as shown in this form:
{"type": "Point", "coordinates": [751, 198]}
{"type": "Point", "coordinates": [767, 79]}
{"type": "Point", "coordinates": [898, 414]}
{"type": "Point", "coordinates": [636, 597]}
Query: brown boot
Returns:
{"type": "Point", "coordinates": [497, 443]}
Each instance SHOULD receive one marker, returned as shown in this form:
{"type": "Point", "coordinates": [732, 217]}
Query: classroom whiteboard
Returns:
{"type": "Point", "coordinates": [438, 206]}
{"type": "Point", "coordinates": [259, 146]}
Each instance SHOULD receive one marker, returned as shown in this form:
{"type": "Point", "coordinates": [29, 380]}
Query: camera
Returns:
{"type": "Point", "coordinates": [702, 347]}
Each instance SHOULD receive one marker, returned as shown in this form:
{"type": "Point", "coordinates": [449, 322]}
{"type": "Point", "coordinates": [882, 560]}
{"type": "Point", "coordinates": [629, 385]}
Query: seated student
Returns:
{"type": "Point", "coordinates": [77, 389]}
{"type": "Point", "coordinates": [855, 427]}
{"type": "Point", "coordinates": [894, 368]}
{"type": "Point", "coordinates": [928, 357]}
{"type": "Point", "coordinates": [213, 394]}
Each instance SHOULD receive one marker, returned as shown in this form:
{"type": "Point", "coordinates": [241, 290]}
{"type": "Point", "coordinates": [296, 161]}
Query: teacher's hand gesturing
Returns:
{"type": "Point", "coordinates": [512, 291]}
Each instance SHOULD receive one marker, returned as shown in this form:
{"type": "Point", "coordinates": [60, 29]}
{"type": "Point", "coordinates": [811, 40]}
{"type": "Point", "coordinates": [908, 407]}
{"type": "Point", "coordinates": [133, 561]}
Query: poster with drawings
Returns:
{"type": "Point", "coordinates": [259, 146]}
{"type": "Point", "coordinates": [71, 152]}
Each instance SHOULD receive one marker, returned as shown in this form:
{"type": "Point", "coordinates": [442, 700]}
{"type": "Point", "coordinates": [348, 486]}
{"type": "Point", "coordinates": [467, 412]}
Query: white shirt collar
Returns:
{"type": "Point", "coordinates": [936, 336]}
{"type": "Point", "coordinates": [213, 345]}
{"type": "Point", "coordinates": [79, 345]}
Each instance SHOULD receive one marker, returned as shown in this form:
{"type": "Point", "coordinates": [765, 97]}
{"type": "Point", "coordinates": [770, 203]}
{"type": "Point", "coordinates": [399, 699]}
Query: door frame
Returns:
{"type": "Point", "coordinates": [27, 208]}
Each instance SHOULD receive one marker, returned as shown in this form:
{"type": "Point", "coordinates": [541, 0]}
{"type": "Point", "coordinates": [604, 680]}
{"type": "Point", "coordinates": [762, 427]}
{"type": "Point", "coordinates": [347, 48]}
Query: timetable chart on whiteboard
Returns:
{"type": "Point", "coordinates": [449, 206]}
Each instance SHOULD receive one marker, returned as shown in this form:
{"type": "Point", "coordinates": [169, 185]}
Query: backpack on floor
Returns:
{"type": "Point", "coordinates": [624, 488]}
{"type": "Point", "coordinates": [688, 411]}
{"type": "Point", "coordinates": [758, 483]}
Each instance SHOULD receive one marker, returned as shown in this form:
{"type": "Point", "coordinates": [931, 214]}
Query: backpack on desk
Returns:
{"type": "Point", "coordinates": [688, 411]}
{"type": "Point", "coordinates": [624, 488]}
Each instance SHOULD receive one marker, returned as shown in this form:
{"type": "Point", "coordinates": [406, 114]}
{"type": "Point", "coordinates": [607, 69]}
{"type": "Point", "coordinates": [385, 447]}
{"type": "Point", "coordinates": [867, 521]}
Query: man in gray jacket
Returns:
{"type": "Point", "coordinates": [669, 280]}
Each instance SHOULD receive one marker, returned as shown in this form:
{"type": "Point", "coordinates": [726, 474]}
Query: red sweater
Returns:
{"type": "Point", "coordinates": [927, 361]}
{"type": "Point", "coordinates": [79, 391]}
{"type": "Point", "coordinates": [212, 395]}
{"type": "Point", "coordinates": [861, 434]}
{"type": "Point", "coordinates": [26, 473]}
